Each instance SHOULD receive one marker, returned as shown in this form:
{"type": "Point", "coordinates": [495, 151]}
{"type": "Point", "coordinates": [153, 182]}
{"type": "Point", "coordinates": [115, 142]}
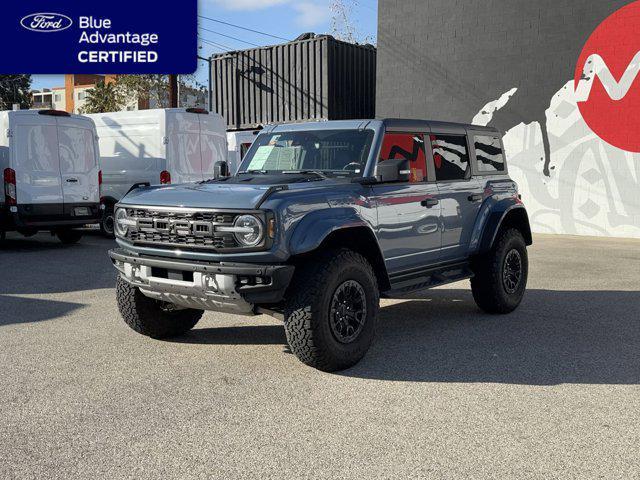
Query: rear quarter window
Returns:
{"type": "Point", "coordinates": [489, 154]}
{"type": "Point", "coordinates": [450, 157]}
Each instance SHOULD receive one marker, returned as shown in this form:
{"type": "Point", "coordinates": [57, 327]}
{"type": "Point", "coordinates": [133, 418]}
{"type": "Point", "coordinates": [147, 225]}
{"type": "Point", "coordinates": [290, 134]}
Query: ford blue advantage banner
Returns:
{"type": "Point", "coordinates": [115, 36]}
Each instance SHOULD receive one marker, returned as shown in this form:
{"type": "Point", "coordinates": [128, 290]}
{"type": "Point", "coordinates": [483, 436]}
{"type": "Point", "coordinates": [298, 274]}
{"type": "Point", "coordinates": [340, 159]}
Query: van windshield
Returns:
{"type": "Point", "coordinates": [330, 152]}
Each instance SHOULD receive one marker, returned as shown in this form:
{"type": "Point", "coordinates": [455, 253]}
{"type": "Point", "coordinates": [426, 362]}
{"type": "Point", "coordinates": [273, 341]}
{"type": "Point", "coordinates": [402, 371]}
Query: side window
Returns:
{"type": "Point", "coordinates": [450, 157]}
{"type": "Point", "coordinates": [489, 155]}
{"type": "Point", "coordinates": [244, 148]}
{"type": "Point", "coordinates": [409, 146]}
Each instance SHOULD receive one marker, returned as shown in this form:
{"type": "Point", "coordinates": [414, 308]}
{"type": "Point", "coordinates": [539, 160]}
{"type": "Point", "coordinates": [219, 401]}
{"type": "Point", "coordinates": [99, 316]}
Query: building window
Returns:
{"type": "Point", "coordinates": [82, 95]}
{"type": "Point", "coordinates": [450, 157]}
{"type": "Point", "coordinates": [489, 155]}
{"type": "Point", "coordinates": [408, 146]}
{"type": "Point", "coordinates": [57, 97]}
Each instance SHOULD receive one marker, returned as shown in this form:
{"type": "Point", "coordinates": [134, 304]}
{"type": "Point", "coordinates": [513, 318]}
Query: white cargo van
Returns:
{"type": "Point", "coordinates": [49, 161]}
{"type": "Point", "coordinates": [158, 146]}
{"type": "Point", "coordinates": [239, 143]}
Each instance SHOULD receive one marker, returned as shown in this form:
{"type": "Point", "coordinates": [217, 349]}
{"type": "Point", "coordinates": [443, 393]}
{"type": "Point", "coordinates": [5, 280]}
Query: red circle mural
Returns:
{"type": "Point", "coordinates": [607, 79]}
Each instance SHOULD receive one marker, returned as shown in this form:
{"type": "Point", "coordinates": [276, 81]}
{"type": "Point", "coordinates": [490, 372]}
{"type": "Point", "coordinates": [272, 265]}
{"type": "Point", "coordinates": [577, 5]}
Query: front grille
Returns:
{"type": "Point", "coordinates": [182, 229]}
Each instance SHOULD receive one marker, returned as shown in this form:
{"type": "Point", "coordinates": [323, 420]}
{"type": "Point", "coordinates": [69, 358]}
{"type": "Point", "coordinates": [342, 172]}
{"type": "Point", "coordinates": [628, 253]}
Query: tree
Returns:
{"type": "Point", "coordinates": [147, 88]}
{"type": "Point", "coordinates": [15, 89]}
{"type": "Point", "coordinates": [104, 97]}
{"type": "Point", "coordinates": [154, 89]}
{"type": "Point", "coordinates": [342, 25]}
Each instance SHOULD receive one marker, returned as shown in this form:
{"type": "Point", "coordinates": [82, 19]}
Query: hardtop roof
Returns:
{"type": "Point", "coordinates": [394, 124]}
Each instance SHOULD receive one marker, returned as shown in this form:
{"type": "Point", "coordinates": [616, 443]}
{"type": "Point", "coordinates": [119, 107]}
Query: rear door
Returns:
{"type": "Point", "coordinates": [131, 151]}
{"type": "Point", "coordinates": [184, 155]}
{"type": "Point", "coordinates": [35, 159]}
{"type": "Point", "coordinates": [459, 193]}
{"type": "Point", "coordinates": [78, 161]}
{"type": "Point", "coordinates": [213, 143]}
{"type": "Point", "coordinates": [408, 216]}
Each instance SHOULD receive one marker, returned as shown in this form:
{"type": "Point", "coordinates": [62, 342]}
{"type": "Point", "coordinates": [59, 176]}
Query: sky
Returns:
{"type": "Point", "coordinates": [283, 18]}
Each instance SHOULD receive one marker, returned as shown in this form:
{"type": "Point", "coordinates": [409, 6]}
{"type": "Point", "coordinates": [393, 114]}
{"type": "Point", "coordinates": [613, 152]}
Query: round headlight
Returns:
{"type": "Point", "coordinates": [119, 225]}
{"type": "Point", "coordinates": [248, 230]}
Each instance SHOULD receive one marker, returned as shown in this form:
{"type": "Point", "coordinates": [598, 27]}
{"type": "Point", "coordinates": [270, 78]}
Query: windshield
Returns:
{"type": "Point", "coordinates": [331, 152]}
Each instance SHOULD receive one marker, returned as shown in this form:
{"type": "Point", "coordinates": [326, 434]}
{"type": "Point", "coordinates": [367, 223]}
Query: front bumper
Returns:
{"type": "Point", "coordinates": [228, 287]}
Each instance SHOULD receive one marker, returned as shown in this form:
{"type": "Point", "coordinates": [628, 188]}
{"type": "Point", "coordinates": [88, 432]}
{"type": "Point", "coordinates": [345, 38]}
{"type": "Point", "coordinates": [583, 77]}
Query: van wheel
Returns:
{"type": "Point", "coordinates": [331, 310]}
{"type": "Point", "coordinates": [150, 317]}
{"type": "Point", "coordinates": [501, 274]}
{"type": "Point", "coordinates": [69, 236]}
{"type": "Point", "coordinates": [107, 223]}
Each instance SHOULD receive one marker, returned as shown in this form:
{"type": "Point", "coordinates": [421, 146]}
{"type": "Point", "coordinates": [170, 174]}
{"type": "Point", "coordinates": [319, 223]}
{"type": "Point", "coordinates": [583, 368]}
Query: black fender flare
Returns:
{"type": "Point", "coordinates": [513, 215]}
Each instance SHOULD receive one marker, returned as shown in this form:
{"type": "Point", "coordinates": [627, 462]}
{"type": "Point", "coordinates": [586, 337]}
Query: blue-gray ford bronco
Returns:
{"type": "Point", "coordinates": [320, 221]}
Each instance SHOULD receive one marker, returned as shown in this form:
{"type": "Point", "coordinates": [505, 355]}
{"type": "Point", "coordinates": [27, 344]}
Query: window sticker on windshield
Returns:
{"type": "Point", "coordinates": [260, 157]}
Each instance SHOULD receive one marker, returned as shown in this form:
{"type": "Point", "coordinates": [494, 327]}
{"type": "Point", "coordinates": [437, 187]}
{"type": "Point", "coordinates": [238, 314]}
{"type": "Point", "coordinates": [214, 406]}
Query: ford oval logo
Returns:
{"type": "Point", "coordinates": [46, 22]}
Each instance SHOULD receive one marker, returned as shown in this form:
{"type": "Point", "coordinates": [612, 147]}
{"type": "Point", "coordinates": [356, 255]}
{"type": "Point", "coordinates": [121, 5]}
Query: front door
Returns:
{"type": "Point", "coordinates": [408, 213]}
{"type": "Point", "coordinates": [460, 195]}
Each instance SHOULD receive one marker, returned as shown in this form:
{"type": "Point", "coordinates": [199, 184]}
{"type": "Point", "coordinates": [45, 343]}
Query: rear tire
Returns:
{"type": "Point", "coordinates": [148, 317]}
{"type": "Point", "coordinates": [331, 310]}
{"type": "Point", "coordinates": [501, 274]}
{"type": "Point", "coordinates": [107, 223]}
{"type": "Point", "coordinates": [69, 236]}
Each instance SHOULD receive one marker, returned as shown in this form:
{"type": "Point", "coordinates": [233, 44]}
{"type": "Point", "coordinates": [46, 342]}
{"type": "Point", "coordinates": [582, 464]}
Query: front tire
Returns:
{"type": "Point", "coordinates": [501, 274]}
{"type": "Point", "coordinates": [69, 236]}
{"type": "Point", "coordinates": [150, 317]}
{"type": "Point", "coordinates": [331, 310]}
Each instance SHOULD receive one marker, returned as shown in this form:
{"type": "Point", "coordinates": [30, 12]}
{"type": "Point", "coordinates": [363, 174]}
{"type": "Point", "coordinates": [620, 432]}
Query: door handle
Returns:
{"type": "Point", "coordinates": [476, 197]}
{"type": "Point", "coordinates": [72, 180]}
{"type": "Point", "coordinates": [429, 202]}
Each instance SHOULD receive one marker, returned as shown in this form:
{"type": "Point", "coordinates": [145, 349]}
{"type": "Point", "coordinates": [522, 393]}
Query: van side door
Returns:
{"type": "Point", "coordinates": [460, 194]}
{"type": "Point", "coordinates": [408, 213]}
{"type": "Point", "coordinates": [35, 158]}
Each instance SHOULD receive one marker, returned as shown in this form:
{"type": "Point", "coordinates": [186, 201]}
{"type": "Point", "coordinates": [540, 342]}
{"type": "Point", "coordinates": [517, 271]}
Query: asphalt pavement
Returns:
{"type": "Point", "coordinates": [549, 391]}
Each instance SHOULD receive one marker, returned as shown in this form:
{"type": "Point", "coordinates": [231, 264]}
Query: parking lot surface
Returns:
{"type": "Point", "coordinates": [549, 391]}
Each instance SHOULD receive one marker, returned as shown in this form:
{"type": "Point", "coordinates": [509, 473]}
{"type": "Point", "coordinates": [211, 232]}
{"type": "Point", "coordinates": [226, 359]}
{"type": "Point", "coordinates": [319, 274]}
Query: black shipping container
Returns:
{"type": "Point", "coordinates": [319, 78]}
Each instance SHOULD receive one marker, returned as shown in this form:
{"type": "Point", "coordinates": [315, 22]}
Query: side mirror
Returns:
{"type": "Point", "coordinates": [220, 169]}
{"type": "Point", "coordinates": [394, 170]}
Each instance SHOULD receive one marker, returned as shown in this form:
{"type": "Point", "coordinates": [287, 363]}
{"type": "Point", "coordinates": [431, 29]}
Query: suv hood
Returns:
{"type": "Point", "coordinates": [198, 196]}
{"type": "Point", "coordinates": [245, 194]}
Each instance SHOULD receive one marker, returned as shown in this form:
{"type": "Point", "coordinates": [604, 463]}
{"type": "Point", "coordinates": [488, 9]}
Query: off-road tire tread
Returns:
{"type": "Point", "coordinates": [486, 284]}
{"type": "Point", "coordinates": [307, 284]}
{"type": "Point", "coordinates": [144, 315]}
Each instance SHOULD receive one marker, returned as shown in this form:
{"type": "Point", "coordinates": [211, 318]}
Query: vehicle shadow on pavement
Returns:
{"type": "Point", "coordinates": [243, 335]}
{"type": "Point", "coordinates": [15, 310]}
{"type": "Point", "coordinates": [41, 264]}
{"type": "Point", "coordinates": [554, 337]}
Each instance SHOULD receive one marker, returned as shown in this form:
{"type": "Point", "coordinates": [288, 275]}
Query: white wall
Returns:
{"type": "Point", "coordinates": [593, 188]}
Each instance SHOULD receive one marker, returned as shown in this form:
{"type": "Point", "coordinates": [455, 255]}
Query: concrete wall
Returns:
{"type": "Point", "coordinates": [511, 64]}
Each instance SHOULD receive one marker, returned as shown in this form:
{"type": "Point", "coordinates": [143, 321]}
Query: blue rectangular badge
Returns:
{"type": "Point", "coordinates": [117, 36]}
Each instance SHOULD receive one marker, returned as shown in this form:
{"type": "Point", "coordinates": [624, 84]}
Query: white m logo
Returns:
{"type": "Point", "coordinates": [595, 66]}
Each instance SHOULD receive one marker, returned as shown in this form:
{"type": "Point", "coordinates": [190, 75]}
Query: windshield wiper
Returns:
{"type": "Point", "coordinates": [262, 172]}
{"type": "Point", "coordinates": [319, 173]}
